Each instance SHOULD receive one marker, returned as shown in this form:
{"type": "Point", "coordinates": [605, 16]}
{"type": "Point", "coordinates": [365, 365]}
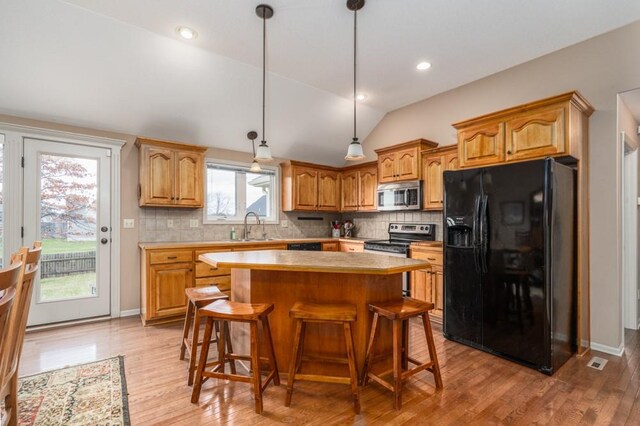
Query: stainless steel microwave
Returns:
{"type": "Point", "coordinates": [400, 196]}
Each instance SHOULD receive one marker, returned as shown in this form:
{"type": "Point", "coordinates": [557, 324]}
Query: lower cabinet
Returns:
{"type": "Point", "coordinates": [352, 246]}
{"type": "Point", "coordinates": [428, 284]}
{"type": "Point", "coordinates": [166, 287]}
{"type": "Point", "coordinates": [332, 246]}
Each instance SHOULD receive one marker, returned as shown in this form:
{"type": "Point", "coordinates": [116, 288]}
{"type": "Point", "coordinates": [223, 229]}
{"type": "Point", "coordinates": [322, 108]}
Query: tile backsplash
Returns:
{"type": "Point", "coordinates": [153, 226]}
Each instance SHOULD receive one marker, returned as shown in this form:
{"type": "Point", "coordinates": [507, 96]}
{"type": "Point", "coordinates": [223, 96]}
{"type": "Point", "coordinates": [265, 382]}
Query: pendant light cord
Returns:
{"type": "Point", "coordinates": [355, 47]}
{"type": "Point", "coordinates": [264, 69]}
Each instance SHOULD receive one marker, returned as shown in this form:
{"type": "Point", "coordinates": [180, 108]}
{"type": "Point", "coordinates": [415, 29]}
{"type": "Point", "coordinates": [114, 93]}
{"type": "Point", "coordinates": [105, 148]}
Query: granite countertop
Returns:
{"type": "Point", "coordinates": [314, 261]}
{"type": "Point", "coordinates": [197, 244]}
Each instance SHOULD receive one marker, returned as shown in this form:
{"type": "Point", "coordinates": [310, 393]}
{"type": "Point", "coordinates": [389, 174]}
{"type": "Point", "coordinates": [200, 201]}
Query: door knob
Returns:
{"type": "Point", "coordinates": [104, 241]}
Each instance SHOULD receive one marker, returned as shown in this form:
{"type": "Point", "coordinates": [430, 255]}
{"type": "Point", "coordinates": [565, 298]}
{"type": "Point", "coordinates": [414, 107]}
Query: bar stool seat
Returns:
{"type": "Point", "coordinates": [338, 314]}
{"type": "Point", "coordinates": [225, 310]}
{"type": "Point", "coordinates": [197, 297]}
{"type": "Point", "coordinates": [399, 313]}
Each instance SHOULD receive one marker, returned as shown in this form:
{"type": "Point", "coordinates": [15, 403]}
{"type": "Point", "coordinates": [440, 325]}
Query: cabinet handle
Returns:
{"type": "Point", "coordinates": [509, 152]}
{"type": "Point", "coordinates": [172, 257]}
{"type": "Point", "coordinates": [431, 258]}
{"type": "Point", "coordinates": [213, 269]}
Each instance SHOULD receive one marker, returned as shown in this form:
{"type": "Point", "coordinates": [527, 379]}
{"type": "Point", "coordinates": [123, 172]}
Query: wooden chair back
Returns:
{"type": "Point", "coordinates": [9, 279]}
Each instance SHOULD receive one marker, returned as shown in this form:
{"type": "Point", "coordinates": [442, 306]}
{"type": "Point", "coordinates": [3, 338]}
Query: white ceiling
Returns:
{"type": "Point", "coordinates": [119, 65]}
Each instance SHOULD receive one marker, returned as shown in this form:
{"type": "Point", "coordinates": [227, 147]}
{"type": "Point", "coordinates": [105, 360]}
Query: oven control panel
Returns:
{"type": "Point", "coordinates": [412, 228]}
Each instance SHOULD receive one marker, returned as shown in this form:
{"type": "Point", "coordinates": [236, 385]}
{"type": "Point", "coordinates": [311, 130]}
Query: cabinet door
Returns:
{"type": "Point", "coordinates": [451, 161]}
{"type": "Point", "coordinates": [189, 181]}
{"type": "Point", "coordinates": [536, 134]}
{"type": "Point", "coordinates": [438, 289]}
{"type": "Point", "coordinates": [328, 191]}
{"type": "Point", "coordinates": [387, 168]}
{"type": "Point", "coordinates": [305, 188]}
{"type": "Point", "coordinates": [156, 175]}
{"type": "Point", "coordinates": [407, 166]}
{"type": "Point", "coordinates": [166, 286]}
{"type": "Point", "coordinates": [368, 189]}
{"type": "Point", "coordinates": [481, 145]}
{"type": "Point", "coordinates": [350, 191]}
{"type": "Point", "coordinates": [418, 284]}
{"type": "Point", "coordinates": [433, 183]}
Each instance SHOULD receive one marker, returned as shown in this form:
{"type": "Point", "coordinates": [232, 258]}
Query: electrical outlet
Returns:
{"type": "Point", "coordinates": [128, 223]}
{"type": "Point", "coordinates": [284, 223]}
{"type": "Point", "coordinates": [170, 223]}
{"type": "Point", "coordinates": [193, 223]}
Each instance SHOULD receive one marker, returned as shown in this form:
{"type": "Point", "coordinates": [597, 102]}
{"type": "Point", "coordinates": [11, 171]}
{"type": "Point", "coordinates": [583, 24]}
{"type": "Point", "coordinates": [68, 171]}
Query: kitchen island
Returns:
{"type": "Point", "coordinates": [285, 277]}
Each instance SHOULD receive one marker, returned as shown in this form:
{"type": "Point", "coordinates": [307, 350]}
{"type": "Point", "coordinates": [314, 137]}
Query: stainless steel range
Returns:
{"type": "Point", "coordinates": [401, 235]}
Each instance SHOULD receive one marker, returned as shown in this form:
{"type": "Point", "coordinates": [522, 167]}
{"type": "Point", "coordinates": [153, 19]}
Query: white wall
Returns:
{"type": "Point", "coordinates": [599, 68]}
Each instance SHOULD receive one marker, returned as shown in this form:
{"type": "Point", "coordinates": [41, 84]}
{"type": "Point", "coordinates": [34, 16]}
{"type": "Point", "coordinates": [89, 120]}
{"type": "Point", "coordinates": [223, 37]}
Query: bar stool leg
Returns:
{"type": "Point", "coordinates": [432, 350]}
{"type": "Point", "coordinates": [204, 354]}
{"type": "Point", "coordinates": [405, 345]}
{"type": "Point", "coordinates": [255, 366]}
{"type": "Point", "coordinates": [369, 355]}
{"type": "Point", "coordinates": [353, 373]}
{"type": "Point", "coordinates": [185, 331]}
{"type": "Point", "coordinates": [293, 362]}
{"type": "Point", "coordinates": [272, 353]}
{"type": "Point", "coordinates": [194, 343]}
{"type": "Point", "coordinates": [229, 346]}
{"type": "Point", "coordinates": [397, 363]}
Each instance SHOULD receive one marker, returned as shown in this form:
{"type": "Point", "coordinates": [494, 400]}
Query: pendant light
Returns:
{"type": "Point", "coordinates": [264, 11]}
{"type": "Point", "coordinates": [355, 152]}
{"type": "Point", "coordinates": [255, 166]}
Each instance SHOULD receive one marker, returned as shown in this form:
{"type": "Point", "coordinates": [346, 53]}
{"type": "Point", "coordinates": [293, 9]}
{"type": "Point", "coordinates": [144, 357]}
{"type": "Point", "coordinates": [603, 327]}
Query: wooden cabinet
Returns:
{"type": "Point", "coordinates": [171, 174]}
{"type": "Point", "coordinates": [359, 187]}
{"type": "Point", "coordinates": [428, 284]}
{"type": "Point", "coordinates": [167, 283]}
{"type": "Point", "coordinates": [331, 246]}
{"type": "Point", "coordinates": [434, 164]}
{"type": "Point", "coordinates": [309, 187]}
{"type": "Point", "coordinates": [352, 246]}
{"type": "Point", "coordinates": [402, 162]}
{"type": "Point", "coordinates": [550, 127]}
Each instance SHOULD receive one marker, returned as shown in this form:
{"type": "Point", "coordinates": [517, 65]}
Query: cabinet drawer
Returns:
{"type": "Point", "coordinates": [352, 247]}
{"type": "Point", "coordinates": [331, 246]}
{"type": "Point", "coordinates": [435, 257]}
{"type": "Point", "coordinates": [173, 256]}
{"type": "Point", "coordinates": [223, 282]}
{"type": "Point", "coordinates": [206, 270]}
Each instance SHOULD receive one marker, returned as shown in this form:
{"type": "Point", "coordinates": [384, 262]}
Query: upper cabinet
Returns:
{"type": "Point", "coordinates": [434, 164]}
{"type": "Point", "coordinates": [171, 174]}
{"type": "Point", "coordinates": [359, 187]}
{"type": "Point", "coordinates": [310, 187]}
{"type": "Point", "coordinates": [402, 162]}
{"type": "Point", "coordinates": [550, 127]}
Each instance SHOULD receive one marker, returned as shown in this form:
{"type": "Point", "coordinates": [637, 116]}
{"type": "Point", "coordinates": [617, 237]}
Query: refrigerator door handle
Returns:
{"type": "Point", "coordinates": [483, 234]}
{"type": "Point", "coordinates": [475, 242]}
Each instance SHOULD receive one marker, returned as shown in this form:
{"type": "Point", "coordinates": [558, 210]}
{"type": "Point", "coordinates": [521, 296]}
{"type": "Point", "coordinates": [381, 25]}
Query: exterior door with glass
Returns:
{"type": "Point", "coordinates": [67, 196]}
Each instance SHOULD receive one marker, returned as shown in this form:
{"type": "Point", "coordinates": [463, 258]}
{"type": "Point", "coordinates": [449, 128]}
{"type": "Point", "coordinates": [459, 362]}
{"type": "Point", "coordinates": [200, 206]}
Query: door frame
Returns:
{"type": "Point", "coordinates": [629, 231]}
{"type": "Point", "coordinates": [15, 135]}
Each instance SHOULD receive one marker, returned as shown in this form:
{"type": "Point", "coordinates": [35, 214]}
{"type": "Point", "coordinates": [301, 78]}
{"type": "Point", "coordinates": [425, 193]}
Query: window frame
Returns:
{"type": "Point", "coordinates": [275, 197]}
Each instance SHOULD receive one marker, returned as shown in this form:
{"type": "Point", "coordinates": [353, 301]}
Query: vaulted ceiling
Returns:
{"type": "Point", "coordinates": [119, 65]}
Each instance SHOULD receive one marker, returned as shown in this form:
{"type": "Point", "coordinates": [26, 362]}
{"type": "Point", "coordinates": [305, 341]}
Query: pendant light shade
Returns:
{"type": "Point", "coordinates": [355, 151]}
{"type": "Point", "coordinates": [264, 12]}
{"type": "Point", "coordinates": [255, 167]}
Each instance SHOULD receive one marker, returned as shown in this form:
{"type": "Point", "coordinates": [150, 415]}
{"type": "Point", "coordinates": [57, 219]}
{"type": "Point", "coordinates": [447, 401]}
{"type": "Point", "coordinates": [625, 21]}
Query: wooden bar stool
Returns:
{"type": "Point", "coordinates": [224, 310]}
{"type": "Point", "coordinates": [197, 298]}
{"type": "Point", "coordinates": [344, 315]}
{"type": "Point", "coordinates": [399, 313]}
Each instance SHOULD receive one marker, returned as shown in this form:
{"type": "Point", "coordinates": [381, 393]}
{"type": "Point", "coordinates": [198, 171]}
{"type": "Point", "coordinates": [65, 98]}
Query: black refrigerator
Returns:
{"type": "Point", "coordinates": [509, 255]}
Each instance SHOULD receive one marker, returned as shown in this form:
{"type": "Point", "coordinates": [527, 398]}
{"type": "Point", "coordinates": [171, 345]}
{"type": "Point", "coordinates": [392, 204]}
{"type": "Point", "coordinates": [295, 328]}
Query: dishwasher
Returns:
{"type": "Point", "coordinates": [305, 246]}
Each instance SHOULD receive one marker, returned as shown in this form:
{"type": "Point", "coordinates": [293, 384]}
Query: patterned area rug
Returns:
{"type": "Point", "coordinates": [88, 394]}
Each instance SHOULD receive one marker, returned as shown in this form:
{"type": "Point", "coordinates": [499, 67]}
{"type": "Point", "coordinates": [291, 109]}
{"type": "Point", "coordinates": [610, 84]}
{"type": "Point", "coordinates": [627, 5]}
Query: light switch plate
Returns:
{"type": "Point", "coordinates": [169, 223]}
{"type": "Point", "coordinates": [284, 223]}
{"type": "Point", "coordinates": [128, 223]}
{"type": "Point", "coordinates": [193, 223]}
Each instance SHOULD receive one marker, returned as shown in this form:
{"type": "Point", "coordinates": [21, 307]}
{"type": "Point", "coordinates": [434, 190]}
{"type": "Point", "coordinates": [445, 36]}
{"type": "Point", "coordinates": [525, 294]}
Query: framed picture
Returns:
{"type": "Point", "coordinates": [512, 213]}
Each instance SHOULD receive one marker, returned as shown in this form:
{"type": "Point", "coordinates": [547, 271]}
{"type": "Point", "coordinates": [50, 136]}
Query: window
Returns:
{"type": "Point", "coordinates": [233, 191]}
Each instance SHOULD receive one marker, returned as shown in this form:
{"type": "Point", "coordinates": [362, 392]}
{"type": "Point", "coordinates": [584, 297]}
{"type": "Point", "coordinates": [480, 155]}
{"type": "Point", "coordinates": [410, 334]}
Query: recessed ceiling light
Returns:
{"type": "Point", "coordinates": [361, 97]}
{"type": "Point", "coordinates": [423, 66]}
{"type": "Point", "coordinates": [187, 33]}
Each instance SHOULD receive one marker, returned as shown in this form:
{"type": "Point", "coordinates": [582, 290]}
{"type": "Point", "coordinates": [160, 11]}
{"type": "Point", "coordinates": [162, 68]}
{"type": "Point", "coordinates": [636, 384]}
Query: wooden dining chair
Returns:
{"type": "Point", "coordinates": [28, 260]}
{"type": "Point", "coordinates": [9, 278]}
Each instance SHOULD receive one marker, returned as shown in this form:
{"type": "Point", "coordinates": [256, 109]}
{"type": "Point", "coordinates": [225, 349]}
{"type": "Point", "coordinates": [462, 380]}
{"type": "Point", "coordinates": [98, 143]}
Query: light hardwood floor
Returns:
{"type": "Point", "coordinates": [478, 388]}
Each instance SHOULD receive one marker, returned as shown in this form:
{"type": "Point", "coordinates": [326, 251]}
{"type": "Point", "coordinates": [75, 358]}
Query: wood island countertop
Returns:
{"type": "Point", "coordinates": [314, 261]}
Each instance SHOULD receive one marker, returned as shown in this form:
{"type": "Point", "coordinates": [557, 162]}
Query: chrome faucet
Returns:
{"type": "Point", "coordinates": [247, 228]}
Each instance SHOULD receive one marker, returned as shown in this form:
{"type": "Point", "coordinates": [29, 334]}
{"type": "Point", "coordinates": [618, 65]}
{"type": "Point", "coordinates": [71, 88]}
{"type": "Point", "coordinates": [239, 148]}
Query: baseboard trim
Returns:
{"type": "Point", "coordinates": [130, 313]}
{"type": "Point", "coordinates": [608, 349]}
